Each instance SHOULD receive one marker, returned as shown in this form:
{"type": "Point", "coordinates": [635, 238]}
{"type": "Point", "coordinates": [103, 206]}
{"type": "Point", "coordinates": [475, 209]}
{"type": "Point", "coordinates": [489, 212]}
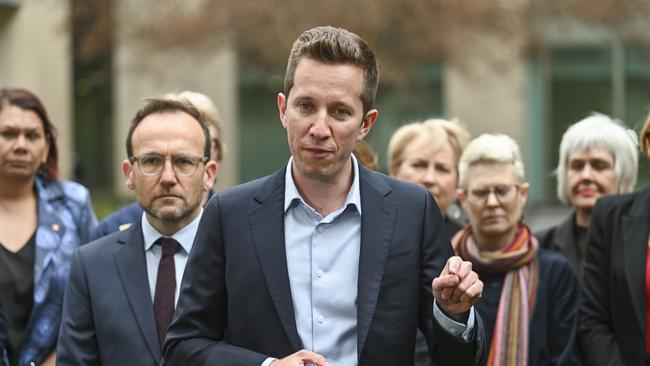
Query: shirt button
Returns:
{"type": "Point", "coordinates": [321, 319]}
{"type": "Point", "coordinates": [319, 274]}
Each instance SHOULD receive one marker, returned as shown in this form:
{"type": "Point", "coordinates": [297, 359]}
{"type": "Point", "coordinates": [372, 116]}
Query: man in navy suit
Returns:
{"type": "Point", "coordinates": [324, 262]}
{"type": "Point", "coordinates": [123, 287]}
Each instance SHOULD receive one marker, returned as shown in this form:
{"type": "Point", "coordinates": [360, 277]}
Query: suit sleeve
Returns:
{"type": "Point", "coordinates": [444, 348]}
{"type": "Point", "coordinates": [77, 343]}
{"type": "Point", "coordinates": [197, 334]}
{"type": "Point", "coordinates": [598, 342]}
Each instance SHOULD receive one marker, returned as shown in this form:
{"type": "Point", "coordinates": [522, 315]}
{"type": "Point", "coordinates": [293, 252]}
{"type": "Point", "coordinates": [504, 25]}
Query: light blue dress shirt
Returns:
{"type": "Point", "coordinates": [185, 237]}
{"type": "Point", "coordinates": [323, 265]}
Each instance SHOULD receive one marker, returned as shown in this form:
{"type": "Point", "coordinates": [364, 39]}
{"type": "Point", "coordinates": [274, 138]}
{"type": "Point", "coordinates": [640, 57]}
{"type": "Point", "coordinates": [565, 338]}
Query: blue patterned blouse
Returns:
{"type": "Point", "coordinates": [65, 221]}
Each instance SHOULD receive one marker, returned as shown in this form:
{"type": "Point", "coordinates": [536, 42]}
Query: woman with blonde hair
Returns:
{"type": "Point", "coordinates": [427, 153]}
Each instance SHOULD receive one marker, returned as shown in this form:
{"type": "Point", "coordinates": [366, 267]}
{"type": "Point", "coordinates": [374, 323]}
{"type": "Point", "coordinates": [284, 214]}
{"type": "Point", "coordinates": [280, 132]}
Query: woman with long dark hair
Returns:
{"type": "Point", "coordinates": [42, 221]}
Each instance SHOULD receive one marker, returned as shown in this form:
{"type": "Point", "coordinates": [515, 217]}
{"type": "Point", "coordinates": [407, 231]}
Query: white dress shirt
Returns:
{"type": "Point", "coordinates": [185, 237]}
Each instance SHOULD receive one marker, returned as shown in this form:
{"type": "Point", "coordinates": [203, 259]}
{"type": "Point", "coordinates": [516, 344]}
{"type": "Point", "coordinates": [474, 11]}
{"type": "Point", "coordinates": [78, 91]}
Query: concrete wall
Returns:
{"type": "Point", "coordinates": [140, 73]}
{"type": "Point", "coordinates": [486, 90]}
{"type": "Point", "coordinates": [35, 53]}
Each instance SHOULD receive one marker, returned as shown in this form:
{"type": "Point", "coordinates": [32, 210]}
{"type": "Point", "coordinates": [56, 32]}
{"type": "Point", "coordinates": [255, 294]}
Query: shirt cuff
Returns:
{"type": "Point", "coordinates": [458, 330]}
{"type": "Point", "coordinates": [268, 361]}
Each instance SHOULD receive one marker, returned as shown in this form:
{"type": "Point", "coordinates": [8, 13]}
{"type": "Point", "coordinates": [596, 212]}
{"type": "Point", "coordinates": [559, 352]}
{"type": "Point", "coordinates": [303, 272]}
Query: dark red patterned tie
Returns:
{"type": "Point", "coordinates": [163, 300]}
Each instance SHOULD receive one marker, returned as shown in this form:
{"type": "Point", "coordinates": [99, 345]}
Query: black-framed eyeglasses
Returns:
{"type": "Point", "coordinates": [153, 164]}
{"type": "Point", "coordinates": [504, 193]}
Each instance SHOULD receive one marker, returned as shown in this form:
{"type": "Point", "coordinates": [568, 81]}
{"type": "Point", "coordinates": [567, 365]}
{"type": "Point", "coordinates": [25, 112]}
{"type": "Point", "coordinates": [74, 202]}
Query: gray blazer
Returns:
{"type": "Point", "coordinates": [108, 316]}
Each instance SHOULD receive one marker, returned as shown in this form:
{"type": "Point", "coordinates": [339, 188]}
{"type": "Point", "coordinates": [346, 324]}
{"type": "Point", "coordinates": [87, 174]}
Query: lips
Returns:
{"type": "Point", "coordinates": [318, 152]}
{"type": "Point", "coordinates": [167, 196]}
{"type": "Point", "coordinates": [20, 163]}
{"type": "Point", "coordinates": [588, 192]}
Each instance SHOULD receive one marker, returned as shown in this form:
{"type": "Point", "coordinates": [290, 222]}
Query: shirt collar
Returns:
{"type": "Point", "coordinates": [291, 193]}
{"type": "Point", "coordinates": [184, 236]}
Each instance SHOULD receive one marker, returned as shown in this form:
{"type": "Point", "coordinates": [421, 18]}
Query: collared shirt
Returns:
{"type": "Point", "coordinates": [323, 265]}
{"type": "Point", "coordinates": [185, 237]}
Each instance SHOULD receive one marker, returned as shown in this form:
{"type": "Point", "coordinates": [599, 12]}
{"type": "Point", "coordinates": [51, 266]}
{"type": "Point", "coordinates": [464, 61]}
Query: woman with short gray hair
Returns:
{"type": "Point", "coordinates": [598, 157]}
{"type": "Point", "coordinates": [615, 309]}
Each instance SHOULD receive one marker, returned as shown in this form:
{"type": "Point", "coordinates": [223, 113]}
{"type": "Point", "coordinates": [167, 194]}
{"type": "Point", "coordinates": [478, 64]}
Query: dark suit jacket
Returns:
{"type": "Point", "coordinates": [3, 340]}
{"type": "Point", "coordinates": [613, 330]}
{"type": "Point", "coordinates": [562, 238]}
{"type": "Point", "coordinates": [235, 306]}
{"type": "Point", "coordinates": [108, 316]}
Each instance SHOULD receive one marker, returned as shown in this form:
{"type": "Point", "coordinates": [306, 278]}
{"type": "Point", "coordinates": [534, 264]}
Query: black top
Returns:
{"type": "Point", "coordinates": [581, 243]}
{"type": "Point", "coordinates": [17, 292]}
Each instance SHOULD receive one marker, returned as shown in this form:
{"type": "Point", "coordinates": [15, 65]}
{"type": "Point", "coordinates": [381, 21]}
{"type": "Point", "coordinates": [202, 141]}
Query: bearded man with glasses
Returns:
{"type": "Point", "coordinates": [123, 287]}
{"type": "Point", "coordinates": [531, 295]}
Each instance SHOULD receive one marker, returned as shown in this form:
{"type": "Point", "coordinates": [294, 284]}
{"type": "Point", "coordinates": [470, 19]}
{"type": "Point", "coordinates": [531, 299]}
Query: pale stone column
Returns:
{"type": "Point", "coordinates": [35, 54]}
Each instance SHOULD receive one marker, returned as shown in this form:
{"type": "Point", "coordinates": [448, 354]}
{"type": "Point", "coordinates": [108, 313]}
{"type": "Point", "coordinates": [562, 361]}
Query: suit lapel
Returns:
{"type": "Point", "coordinates": [132, 268]}
{"type": "Point", "coordinates": [267, 227]}
{"type": "Point", "coordinates": [377, 221]}
{"type": "Point", "coordinates": [634, 247]}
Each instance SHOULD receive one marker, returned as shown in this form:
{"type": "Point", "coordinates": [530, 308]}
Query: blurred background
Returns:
{"type": "Point", "coordinates": [527, 68]}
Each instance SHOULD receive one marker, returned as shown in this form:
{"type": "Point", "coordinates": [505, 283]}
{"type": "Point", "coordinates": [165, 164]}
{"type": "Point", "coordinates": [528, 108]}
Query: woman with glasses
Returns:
{"type": "Point", "coordinates": [42, 221]}
{"type": "Point", "coordinates": [530, 296]}
{"type": "Point", "coordinates": [426, 153]}
{"type": "Point", "coordinates": [615, 312]}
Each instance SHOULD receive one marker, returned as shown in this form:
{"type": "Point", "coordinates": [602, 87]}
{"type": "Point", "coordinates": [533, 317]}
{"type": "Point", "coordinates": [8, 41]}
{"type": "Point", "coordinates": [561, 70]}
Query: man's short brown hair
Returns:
{"type": "Point", "coordinates": [332, 45]}
{"type": "Point", "coordinates": [163, 105]}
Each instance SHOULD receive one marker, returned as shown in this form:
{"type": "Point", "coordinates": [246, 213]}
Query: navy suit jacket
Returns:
{"type": "Point", "coordinates": [118, 220]}
{"type": "Point", "coordinates": [235, 306]}
{"type": "Point", "coordinates": [108, 316]}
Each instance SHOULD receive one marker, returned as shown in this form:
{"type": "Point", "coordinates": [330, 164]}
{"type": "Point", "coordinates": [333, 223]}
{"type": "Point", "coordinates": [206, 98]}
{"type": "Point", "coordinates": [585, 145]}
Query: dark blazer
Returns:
{"type": "Point", "coordinates": [562, 238]}
{"type": "Point", "coordinates": [118, 220]}
{"type": "Point", "coordinates": [613, 330]}
{"type": "Point", "coordinates": [235, 306]}
{"type": "Point", "coordinates": [108, 316]}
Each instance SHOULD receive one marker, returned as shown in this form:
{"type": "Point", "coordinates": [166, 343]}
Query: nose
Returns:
{"type": "Point", "coordinates": [21, 142]}
{"type": "Point", "coordinates": [430, 176]}
{"type": "Point", "coordinates": [491, 200]}
{"type": "Point", "coordinates": [586, 172]}
{"type": "Point", "coordinates": [168, 176]}
{"type": "Point", "coordinates": [320, 129]}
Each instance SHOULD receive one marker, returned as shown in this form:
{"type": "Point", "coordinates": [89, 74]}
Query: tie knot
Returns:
{"type": "Point", "coordinates": [169, 246]}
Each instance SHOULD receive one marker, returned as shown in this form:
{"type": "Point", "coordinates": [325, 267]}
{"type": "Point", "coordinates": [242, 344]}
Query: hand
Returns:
{"type": "Point", "coordinates": [457, 288]}
{"type": "Point", "coordinates": [302, 358]}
